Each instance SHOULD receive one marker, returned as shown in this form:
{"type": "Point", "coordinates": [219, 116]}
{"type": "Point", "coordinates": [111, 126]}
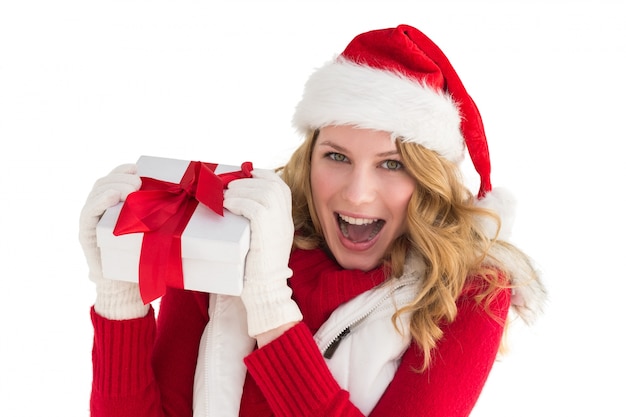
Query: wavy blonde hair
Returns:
{"type": "Point", "coordinates": [442, 227]}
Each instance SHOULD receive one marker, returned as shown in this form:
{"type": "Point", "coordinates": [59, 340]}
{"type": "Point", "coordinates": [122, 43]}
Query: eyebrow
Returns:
{"type": "Point", "coordinates": [344, 150]}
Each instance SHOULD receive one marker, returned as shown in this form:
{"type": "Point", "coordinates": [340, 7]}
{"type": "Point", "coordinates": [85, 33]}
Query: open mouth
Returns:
{"type": "Point", "coordinates": [359, 230]}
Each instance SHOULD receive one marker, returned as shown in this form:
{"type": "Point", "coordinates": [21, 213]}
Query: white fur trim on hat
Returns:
{"type": "Point", "coordinates": [345, 93]}
{"type": "Point", "coordinates": [503, 203]}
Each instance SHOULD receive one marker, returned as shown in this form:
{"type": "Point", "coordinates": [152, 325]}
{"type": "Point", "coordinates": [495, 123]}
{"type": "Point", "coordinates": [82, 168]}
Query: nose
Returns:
{"type": "Point", "coordinates": [360, 187]}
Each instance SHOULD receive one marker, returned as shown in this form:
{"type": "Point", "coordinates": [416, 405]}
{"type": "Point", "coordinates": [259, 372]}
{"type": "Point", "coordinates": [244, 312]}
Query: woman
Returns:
{"type": "Point", "coordinates": [376, 284]}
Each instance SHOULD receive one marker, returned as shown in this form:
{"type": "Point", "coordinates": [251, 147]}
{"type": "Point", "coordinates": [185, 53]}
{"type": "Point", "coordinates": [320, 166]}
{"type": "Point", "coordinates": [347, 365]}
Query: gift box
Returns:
{"type": "Point", "coordinates": [210, 247]}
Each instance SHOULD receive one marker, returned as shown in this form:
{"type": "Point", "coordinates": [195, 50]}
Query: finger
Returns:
{"type": "Point", "coordinates": [117, 180]}
{"type": "Point", "coordinates": [265, 180]}
{"type": "Point", "coordinates": [242, 206]}
{"type": "Point", "coordinates": [276, 178]}
{"type": "Point", "coordinates": [96, 205]}
{"type": "Point", "coordinates": [266, 174]}
{"type": "Point", "coordinates": [264, 192]}
{"type": "Point", "coordinates": [123, 184]}
{"type": "Point", "coordinates": [125, 169]}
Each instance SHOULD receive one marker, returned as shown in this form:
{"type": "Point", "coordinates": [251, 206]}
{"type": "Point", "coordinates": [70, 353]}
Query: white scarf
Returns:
{"type": "Point", "coordinates": [364, 362]}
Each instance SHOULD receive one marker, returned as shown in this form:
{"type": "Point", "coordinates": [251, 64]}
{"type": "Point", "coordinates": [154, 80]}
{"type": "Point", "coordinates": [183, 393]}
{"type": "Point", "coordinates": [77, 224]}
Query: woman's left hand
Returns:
{"type": "Point", "coordinates": [265, 200]}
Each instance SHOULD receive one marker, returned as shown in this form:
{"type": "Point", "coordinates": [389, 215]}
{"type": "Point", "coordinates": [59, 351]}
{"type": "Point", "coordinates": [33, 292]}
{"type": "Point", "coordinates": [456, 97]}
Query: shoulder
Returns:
{"type": "Point", "coordinates": [481, 295]}
{"type": "Point", "coordinates": [528, 293]}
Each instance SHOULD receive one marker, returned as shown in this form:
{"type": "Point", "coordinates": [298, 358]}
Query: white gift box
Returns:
{"type": "Point", "coordinates": [213, 247]}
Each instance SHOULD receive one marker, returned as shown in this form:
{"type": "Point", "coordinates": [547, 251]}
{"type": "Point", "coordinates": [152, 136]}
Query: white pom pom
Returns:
{"type": "Point", "coordinates": [502, 202]}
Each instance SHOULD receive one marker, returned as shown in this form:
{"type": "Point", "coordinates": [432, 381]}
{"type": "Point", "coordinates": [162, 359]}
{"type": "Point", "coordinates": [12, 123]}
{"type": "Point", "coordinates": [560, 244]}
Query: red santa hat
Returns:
{"type": "Point", "coordinates": [397, 80]}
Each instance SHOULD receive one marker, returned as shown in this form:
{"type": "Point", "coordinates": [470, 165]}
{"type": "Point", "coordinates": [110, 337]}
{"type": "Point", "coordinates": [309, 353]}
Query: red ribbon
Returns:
{"type": "Point", "coordinates": [161, 210]}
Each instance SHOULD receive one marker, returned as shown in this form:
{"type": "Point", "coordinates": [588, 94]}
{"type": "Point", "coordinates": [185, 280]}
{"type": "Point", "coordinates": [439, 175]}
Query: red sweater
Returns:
{"type": "Point", "coordinates": [142, 367]}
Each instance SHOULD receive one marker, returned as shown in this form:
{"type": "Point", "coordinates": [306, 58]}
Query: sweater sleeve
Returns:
{"type": "Point", "coordinates": [295, 380]}
{"type": "Point", "coordinates": [141, 369]}
{"type": "Point", "coordinates": [292, 374]}
{"type": "Point", "coordinates": [123, 381]}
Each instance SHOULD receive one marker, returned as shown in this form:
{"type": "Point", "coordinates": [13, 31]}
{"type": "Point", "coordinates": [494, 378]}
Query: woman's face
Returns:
{"type": "Point", "coordinates": [361, 192]}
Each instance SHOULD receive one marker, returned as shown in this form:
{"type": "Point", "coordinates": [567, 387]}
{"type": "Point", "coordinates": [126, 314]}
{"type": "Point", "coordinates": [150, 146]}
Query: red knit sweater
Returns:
{"type": "Point", "coordinates": [146, 368]}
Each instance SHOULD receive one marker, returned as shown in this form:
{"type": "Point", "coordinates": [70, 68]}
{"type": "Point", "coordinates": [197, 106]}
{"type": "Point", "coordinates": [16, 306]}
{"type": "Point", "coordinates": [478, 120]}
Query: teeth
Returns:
{"type": "Point", "coordinates": [358, 222]}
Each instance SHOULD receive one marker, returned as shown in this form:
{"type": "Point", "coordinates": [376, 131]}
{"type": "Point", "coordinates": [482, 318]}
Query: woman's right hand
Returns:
{"type": "Point", "coordinates": [115, 300]}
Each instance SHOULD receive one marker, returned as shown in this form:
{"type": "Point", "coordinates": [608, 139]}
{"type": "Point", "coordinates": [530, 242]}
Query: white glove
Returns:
{"type": "Point", "coordinates": [265, 200]}
{"type": "Point", "coordinates": [115, 300]}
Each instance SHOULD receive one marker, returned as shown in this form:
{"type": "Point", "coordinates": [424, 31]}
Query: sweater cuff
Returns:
{"type": "Point", "coordinates": [268, 306]}
{"type": "Point", "coordinates": [292, 374]}
{"type": "Point", "coordinates": [118, 300]}
{"type": "Point", "coordinates": [122, 351]}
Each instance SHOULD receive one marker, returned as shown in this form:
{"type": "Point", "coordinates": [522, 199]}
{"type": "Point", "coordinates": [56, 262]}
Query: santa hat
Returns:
{"type": "Point", "coordinates": [397, 80]}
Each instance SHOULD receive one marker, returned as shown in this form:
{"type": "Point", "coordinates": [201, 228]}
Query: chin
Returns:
{"type": "Point", "coordinates": [352, 262]}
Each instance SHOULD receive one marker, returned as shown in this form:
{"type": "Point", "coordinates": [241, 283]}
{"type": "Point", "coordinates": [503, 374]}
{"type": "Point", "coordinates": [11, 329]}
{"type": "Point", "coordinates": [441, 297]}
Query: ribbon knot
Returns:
{"type": "Point", "coordinates": [161, 210]}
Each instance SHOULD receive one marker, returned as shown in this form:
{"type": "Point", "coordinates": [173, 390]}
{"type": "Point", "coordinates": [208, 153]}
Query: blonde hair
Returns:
{"type": "Point", "coordinates": [442, 227]}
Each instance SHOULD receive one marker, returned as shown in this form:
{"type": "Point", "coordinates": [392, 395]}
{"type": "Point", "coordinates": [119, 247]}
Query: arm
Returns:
{"type": "Point", "coordinates": [292, 374]}
{"type": "Point", "coordinates": [123, 382]}
{"type": "Point", "coordinates": [288, 363]}
{"type": "Point", "coordinates": [123, 327]}
{"type": "Point", "coordinates": [141, 369]}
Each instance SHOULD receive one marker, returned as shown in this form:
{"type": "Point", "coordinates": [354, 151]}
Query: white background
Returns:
{"type": "Point", "coordinates": [88, 85]}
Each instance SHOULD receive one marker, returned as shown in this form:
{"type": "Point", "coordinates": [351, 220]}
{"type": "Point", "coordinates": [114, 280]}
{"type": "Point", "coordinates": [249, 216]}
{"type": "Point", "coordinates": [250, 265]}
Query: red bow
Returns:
{"type": "Point", "coordinates": [161, 210]}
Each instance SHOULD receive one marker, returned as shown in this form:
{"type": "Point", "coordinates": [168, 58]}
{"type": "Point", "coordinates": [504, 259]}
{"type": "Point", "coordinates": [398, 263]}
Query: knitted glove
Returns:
{"type": "Point", "coordinates": [115, 300]}
{"type": "Point", "coordinates": [265, 200]}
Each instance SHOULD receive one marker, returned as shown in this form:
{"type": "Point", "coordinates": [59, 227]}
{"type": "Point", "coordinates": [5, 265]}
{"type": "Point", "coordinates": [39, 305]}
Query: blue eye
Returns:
{"type": "Point", "coordinates": [392, 165]}
{"type": "Point", "coordinates": [339, 157]}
